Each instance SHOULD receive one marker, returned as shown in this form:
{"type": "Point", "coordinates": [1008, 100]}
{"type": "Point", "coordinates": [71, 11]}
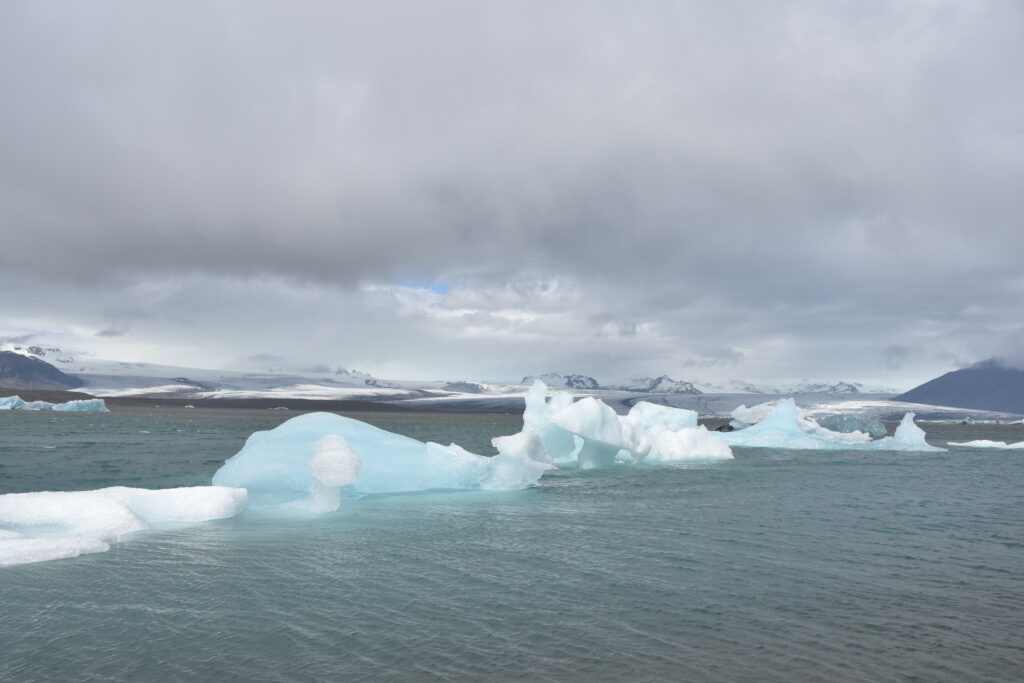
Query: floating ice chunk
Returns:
{"type": "Point", "coordinates": [521, 461]}
{"type": "Point", "coordinates": [846, 424]}
{"type": "Point", "coordinates": [664, 434]}
{"type": "Point", "coordinates": [744, 417]}
{"type": "Point", "coordinates": [91, 405]}
{"type": "Point", "coordinates": [689, 443]}
{"type": "Point", "coordinates": [658, 418]}
{"type": "Point", "coordinates": [35, 405]}
{"type": "Point", "coordinates": [985, 443]}
{"type": "Point", "coordinates": [278, 466]}
{"type": "Point", "coordinates": [558, 443]}
{"type": "Point", "coordinates": [55, 524]}
{"type": "Point", "coordinates": [590, 434]}
{"type": "Point", "coordinates": [780, 428]}
{"type": "Point", "coordinates": [599, 428]}
{"type": "Point", "coordinates": [784, 427]}
{"type": "Point", "coordinates": [11, 403]}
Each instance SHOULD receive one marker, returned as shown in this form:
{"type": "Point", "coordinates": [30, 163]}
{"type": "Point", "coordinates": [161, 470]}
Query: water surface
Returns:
{"type": "Point", "coordinates": [779, 566]}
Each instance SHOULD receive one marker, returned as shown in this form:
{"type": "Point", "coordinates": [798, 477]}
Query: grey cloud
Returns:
{"type": "Point", "coordinates": [17, 338]}
{"type": "Point", "coordinates": [896, 355]}
{"type": "Point", "coordinates": [799, 182]}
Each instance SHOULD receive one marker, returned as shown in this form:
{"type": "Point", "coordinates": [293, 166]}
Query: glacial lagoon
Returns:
{"type": "Point", "coordinates": [775, 565]}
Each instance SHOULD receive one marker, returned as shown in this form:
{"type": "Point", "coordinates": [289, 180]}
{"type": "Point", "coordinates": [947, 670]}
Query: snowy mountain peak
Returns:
{"type": "Point", "coordinates": [806, 387]}
{"type": "Point", "coordinates": [661, 385]}
{"type": "Point", "coordinates": [732, 386]}
{"type": "Point", "coordinates": [555, 380]}
{"type": "Point", "coordinates": [51, 354]}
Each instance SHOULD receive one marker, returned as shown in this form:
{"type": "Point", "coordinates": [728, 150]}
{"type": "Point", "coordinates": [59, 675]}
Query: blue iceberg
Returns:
{"type": "Point", "coordinates": [91, 405]}
{"type": "Point", "coordinates": [308, 462]}
{"type": "Point", "coordinates": [785, 427]}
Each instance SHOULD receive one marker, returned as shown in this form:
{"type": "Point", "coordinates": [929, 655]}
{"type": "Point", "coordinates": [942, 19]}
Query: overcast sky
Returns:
{"type": "Point", "coordinates": [482, 190]}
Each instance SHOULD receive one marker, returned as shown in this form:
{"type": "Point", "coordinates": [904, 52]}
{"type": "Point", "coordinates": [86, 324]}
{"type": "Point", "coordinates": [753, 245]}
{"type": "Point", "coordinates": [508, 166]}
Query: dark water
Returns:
{"type": "Point", "coordinates": [778, 566]}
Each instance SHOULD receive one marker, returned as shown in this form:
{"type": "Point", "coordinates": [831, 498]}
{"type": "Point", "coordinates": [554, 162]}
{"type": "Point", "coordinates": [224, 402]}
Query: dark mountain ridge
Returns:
{"type": "Point", "coordinates": [989, 385]}
{"type": "Point", "coordinates": [24, 372]}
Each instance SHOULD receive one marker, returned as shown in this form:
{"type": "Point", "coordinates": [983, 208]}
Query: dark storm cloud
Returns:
{"type": "Point", "coordinates": [737, 171]}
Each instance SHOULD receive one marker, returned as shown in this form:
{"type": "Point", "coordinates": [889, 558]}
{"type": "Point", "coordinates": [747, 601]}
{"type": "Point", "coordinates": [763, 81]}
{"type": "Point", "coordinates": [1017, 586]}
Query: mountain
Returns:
{"type": "Point", "coordinates": [462, 387]}
{"type": "Point", "coordinates": [733, 386]}
{"type": "Point", "coordinates": [989, 385]}
{"type": "Point", "coordinates": [555, 380]}
{"type": "Point", "coordinates": [661, 385]}
{"type": "Point", "coordinates": [18, 371]}
{"type": "Point", "coordinates": [806, 387]}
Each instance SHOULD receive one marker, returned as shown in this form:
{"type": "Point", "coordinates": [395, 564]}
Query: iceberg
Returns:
{"type": "Point", "coordinates": [91, 405]}
{"type": "Point", "coordinates": [689, 443]}
{"type": "Point", "coordinates": [846, 424]}
{"type": "Point", "coordinates": [50, 525]}
{"type": "Point", "coordinates": [308, 462]}
{"type": "Point", "coordinates": [591, 435]}
{"type": "Point", "coordinates": [785, 427]}
{"type": "Point", "coordinates": [559, 444]}
{"type": "Point", "coordinates": [985, 443]}
{"type": "Point", "coordinates": [598, 431]}
{"type": "Point", "coordinates": [11, 403]}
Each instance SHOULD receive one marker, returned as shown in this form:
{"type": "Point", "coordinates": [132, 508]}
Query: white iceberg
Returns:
{"type": "Point", "coordinates": [307, 461]}
{"type": "Point", "coordinates": [591, 435]}
{"type": "Point", "coordinates": [985, 443]}
{"type": "Point", "coordinates": [597, 430]}
{"type": "Point", "coordinates": [49, 525]}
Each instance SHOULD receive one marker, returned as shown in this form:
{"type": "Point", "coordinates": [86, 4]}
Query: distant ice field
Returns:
{"type": "Point", "coordinates": [774, 566]}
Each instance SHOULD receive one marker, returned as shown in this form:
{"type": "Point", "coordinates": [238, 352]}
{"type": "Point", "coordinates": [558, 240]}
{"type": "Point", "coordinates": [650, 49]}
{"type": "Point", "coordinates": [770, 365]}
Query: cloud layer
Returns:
{"type": "Point", "coordinates": [734, 189]}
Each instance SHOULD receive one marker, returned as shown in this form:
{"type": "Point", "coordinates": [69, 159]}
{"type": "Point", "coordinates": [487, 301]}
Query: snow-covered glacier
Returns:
{"type": "Point", "coordinates": [50, 525]}
{"type": "Point", "coordinates": [90, 405]}
{"type": "Point", "coordinates": [305, 463]}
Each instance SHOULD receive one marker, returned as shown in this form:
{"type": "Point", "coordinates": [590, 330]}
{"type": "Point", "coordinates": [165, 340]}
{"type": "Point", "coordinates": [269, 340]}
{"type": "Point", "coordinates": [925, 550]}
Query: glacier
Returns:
{"type": "Point", "coordinates": [91, 405]}
{"type": "Point", "coordinates": [785, 427]}
{"type": "Point", "coordinates": [308, 462]}
{"type": "Point", "coordinates": [50, 525]}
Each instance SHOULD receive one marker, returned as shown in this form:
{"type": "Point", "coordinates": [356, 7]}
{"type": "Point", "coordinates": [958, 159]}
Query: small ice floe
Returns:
{"type": "Point", "coordinates": [90, 405]}
{"type": "Point", "coordinates": [50, 525]}
{"type": "Point", "coordinates": [985, 443]}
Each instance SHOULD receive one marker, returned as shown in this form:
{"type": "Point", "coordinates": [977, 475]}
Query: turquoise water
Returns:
{"type": "Point", "coordinates": [779, 566]}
